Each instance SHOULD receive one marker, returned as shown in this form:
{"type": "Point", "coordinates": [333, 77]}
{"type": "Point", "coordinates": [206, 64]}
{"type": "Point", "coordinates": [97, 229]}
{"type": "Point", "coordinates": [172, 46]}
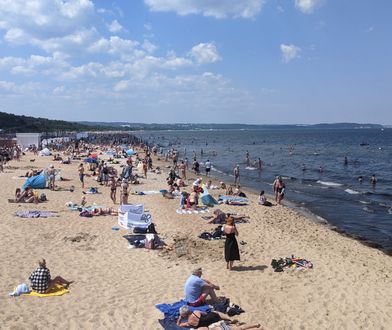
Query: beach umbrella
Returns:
{"type": "Point", "coordinates": [130, 152]}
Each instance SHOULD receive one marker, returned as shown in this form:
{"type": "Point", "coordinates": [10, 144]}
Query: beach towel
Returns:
{"type": "Point", "coordinates": [170, 324]}
{"type": "Point", "coordinates": [191, 211]}
{"type": "Point", "coordinates": [58, 290]}
{"type": "Point", "coordinates": [232, 200]}
{"type": "Point", "coordinates": [35, 214]}
{"type": "Point", "coordinates": [171, 311]}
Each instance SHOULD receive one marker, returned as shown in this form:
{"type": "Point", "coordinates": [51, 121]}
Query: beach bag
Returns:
{"type": "Point", "coordinates": [149, 242]}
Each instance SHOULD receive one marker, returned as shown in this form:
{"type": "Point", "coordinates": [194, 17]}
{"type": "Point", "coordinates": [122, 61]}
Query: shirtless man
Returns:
{"type": "Point", "coordinates": [81, 174]}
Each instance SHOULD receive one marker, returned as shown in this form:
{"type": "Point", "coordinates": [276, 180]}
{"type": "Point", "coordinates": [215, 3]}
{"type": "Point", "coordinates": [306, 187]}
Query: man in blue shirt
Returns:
{"type": "Point", "coordinates": [197, 289]}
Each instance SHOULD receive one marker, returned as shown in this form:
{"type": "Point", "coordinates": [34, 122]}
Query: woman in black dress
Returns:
{"type": "Point", "coordinates": [231, 246]}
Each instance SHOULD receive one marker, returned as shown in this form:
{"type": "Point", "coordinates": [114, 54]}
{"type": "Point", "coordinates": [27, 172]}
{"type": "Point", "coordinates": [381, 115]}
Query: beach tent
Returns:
{"type": "Point", "coordinates": [45, 152]}
{"type": "Point", "coordinates": [35, 182]}
{"type": "Point", "coordinates": [207, 199]}
{"type": "Point", "coordinates": [130, 152]}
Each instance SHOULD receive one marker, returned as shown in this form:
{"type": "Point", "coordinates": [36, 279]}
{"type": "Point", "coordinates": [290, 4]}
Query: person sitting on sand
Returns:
{"type": "Point", "coordinates": [263, 199]}
{"type": "Point", "coordinates": [194, 198]}
{"type": "Point", "coordinates": [229, 191]}
{"type": "Point", "coordinates": [198, 319]}
{"type": "Point", "coordinates": [18, 194]}
{"type": "Point", "coordinates": [27, 196]}
{"type": "Point", "coordinates": [198, 289]}
{"type": "Point", "coordinates": [41, 281]}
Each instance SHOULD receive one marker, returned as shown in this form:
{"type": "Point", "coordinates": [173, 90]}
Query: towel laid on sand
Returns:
{"type": "Point", "coordinates": [171, 311]}
{"type": "Point", "coordinates": [191, 211]}
{"type": "Point", "coordinates": [58, 290]}
{"type": "Point", "coordinates": [232, 200]}
{"type": "Point", "coordinates": [170, 324]}
{"type": "Point", "coordinates": [36, 214]}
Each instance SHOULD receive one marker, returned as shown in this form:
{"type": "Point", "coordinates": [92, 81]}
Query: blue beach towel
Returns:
{"type": "Point", "coordinates": [171, 311]}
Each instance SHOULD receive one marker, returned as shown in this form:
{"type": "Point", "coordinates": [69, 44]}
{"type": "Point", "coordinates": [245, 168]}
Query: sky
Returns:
{"type": "Point", "coordinates": [198, 61]}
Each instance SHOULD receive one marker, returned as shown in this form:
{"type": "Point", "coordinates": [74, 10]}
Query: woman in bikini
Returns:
{"type": "Point", "coordinates": [113, 189]}
{"type": "Point", "coordinates": [124, 191]}
{"type": "Point", "coordinates": [199, 319]}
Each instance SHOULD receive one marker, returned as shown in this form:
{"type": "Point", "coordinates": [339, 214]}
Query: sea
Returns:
{"type": "Point", "coordinates": [320, 167]}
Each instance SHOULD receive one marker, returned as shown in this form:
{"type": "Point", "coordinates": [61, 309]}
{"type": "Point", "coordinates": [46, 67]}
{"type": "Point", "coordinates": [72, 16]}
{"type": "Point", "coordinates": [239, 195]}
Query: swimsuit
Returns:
{"type": "Point", "coordinates": [207, 319]}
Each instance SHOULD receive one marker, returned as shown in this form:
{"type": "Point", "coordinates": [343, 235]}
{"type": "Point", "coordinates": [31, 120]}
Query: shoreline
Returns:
{"type": "Point", "coordinates": [311, 216]}
{"type": "Point", "coordinates": [116, 287]}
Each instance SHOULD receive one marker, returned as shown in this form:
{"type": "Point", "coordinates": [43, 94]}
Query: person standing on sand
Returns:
{"type": "Point", "coordinates": [237, 174]}
{"type": "Point", "coordinates": [280, 190]}
{"type": "Point", "coordinates": [113, 189]}
{"type": "Point", "coordinates": [145, 167]}
{"type": "Point", "coordinates": [52, 177]}
{"type": "Point", "coordinates": [182, 168]}
{"type": "Point", "coordinates": [81, 174]}
{"type": "Point", "coordinates": [231, 246]}
{"type": "Point", "coordinates": [124, 191]}
{"type": "Point", "coordinates": [275, 186]}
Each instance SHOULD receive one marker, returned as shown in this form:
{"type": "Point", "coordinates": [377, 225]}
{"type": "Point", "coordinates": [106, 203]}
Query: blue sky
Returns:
{"type": "Point", "coordinates": [200, 61]}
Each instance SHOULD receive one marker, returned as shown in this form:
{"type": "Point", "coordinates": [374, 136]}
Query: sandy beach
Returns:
{"type": "Point", "coordinates": [350, 286]}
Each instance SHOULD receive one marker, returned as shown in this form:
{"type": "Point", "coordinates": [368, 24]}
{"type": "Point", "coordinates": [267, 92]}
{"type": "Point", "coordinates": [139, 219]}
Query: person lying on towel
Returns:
{"type": "Point", "coordinates": [41, 281]}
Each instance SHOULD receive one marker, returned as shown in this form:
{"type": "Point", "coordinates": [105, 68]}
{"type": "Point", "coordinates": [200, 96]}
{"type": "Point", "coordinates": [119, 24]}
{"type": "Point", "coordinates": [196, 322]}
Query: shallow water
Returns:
{"type": "Point", "coordinates": [334, 193]}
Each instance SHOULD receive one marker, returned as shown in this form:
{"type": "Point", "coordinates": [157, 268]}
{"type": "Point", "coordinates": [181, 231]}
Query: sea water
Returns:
{"type": "Point", "coordinates": [311, 162]}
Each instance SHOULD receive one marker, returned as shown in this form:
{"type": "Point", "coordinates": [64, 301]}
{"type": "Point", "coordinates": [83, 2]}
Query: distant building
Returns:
{"type": "Point", "coordinates": [25, 140]}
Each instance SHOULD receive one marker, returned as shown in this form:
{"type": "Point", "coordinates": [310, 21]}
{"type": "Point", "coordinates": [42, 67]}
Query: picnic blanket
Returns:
{"type": "Point", "coordinates": [191, 211]}
{"type": "Point", "coordinates": [58, 290]}
{"type": "Point", "coordinates": [233, 200]}
{"type": "Point", "coordinates": [35, 214]}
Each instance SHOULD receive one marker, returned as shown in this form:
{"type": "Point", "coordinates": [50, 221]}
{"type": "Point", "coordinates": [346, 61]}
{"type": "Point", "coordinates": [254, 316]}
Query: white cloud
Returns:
{"type": "Point", "coordinates": [58, 90]}
{"type": "Point", "coordinates": [216, 8]}
{"type": "Point", "coordinates": [115, 27]}
{"type": "Point", "coordinates": [289, 52]}
{"type": "Point", "coordinates": [307, 6]}
{"type": "Point", "coordinates": [205, 53]}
